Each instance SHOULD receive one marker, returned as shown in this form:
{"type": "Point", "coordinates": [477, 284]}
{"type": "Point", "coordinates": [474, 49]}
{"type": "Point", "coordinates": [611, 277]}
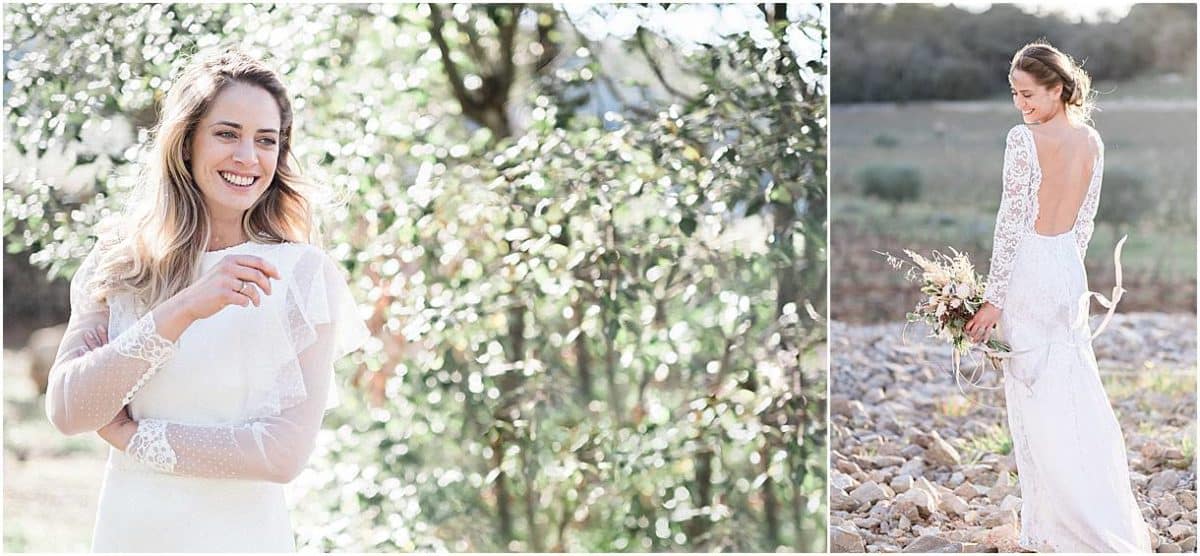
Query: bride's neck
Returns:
{"type": "Point", "coordinates": [1059, 121]}
{"type": "Point", "coordinates": [225, 233]}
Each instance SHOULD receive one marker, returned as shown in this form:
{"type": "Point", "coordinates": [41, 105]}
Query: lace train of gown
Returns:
{"type": "Point", "coordinates": [1070, 453]}
{"type": "Point", "coordinates": [226, 416]}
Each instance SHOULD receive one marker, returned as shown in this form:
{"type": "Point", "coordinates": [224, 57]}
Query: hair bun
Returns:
{"type": "Point", "coordinates": [1071, 89]}
{"type": "Point", "coordinates": [1049, 66]}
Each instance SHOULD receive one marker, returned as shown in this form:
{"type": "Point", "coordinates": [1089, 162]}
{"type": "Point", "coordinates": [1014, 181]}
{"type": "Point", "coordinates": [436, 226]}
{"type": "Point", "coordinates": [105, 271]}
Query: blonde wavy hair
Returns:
{"type": "Point", "coordinates": [159, 253]}
{"type": "Point", "coordinates": [1050, 66]}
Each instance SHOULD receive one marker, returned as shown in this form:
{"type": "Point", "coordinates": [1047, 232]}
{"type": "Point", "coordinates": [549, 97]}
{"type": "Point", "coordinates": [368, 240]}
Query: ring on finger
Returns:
{"type": "Point", "coordinates": [242, 290]}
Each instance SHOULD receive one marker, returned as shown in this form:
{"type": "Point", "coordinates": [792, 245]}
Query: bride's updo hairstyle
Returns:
{"type": "Point", "coordinates": [156, 250]}
{"type": "Point", "coordinates": [1050, 66]}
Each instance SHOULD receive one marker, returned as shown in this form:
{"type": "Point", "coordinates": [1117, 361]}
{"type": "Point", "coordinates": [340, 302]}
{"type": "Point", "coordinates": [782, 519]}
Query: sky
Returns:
{"type": "Point", "coordinates": [1074, 10]}
{"type": "Point", "coordinates": [689, 26]}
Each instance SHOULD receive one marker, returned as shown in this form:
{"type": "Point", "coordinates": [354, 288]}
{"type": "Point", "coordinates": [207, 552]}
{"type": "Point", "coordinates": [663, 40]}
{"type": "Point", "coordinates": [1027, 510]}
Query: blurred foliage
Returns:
{"type": "Point", "coordinates": [886, 141]}
{"type": "Point", "coordinates": [595, 328]}
{"type": "Point", "coordinates": [921, 51]}
{"type": "Point", "coordinates": [1127, 199]}
{"type": "Point", "coordinates": [891, 183]}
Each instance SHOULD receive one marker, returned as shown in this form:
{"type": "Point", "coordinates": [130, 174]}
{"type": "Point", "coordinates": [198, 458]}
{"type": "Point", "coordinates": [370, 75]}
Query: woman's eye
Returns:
{"type": "Point", "coordinates": [226, 134]}
{"type": "Point", "coordinates": [268, 141]}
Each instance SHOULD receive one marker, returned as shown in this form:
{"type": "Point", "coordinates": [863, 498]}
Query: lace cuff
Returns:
{"type": "Point", "coordinates": [142, 341]}
{"type": "Point", "coordinates": [149, 445]}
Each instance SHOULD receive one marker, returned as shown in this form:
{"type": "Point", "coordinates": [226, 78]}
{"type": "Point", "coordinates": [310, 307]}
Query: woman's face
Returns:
{"type": "Point", "coordinates": [235, 148]}
{"type": "Point", "coordinates": [1035, 102]}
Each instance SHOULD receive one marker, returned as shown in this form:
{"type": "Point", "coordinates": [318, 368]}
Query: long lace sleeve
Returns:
{"type": "Point", "coordinates": [275, 447]}
{"type": "Point", "coordinates": [1013, 214]}
{"type": "Point", "coordinates": [1085, 221]}
{"type": "Point", "coordinates": [88, 388]}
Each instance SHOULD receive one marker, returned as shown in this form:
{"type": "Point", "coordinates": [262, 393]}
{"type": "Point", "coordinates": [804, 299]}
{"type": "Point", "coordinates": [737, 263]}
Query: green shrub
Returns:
{"type": "Point", "coordinates": [1126, 198]}
{"type": "Point", "coordinates": [886, 141]}
{"type": "Point", "coordinates": [893, 184]}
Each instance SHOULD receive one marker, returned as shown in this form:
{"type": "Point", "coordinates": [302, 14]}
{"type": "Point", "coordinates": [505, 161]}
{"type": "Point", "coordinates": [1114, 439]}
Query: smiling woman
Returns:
{"type": "Point", "coordinates": [225, 323]}
{"type": "Point", "coordinates": [1068, 445]}
{"type": "Point", "coordinates": [236, 144]}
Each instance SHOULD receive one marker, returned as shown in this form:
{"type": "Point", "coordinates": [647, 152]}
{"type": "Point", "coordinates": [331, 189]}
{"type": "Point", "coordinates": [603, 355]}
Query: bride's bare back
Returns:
{"type": "Point", "coordinates": [1067, 160]}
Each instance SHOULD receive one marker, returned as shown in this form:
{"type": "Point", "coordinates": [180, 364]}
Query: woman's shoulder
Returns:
{"type": "Point", "coordinates": [1093, 136]}
{"type": "Point", "coordinates": [1018, 134]}
{"type": "Point", "coordinates": [1083, 134]}
{"type": "Point", "coordinates": [90, 272]}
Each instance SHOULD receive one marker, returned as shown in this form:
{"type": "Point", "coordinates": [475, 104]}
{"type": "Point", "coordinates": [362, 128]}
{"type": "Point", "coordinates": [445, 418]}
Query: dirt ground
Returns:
{"type": "Point", "coordinates": [51, 482]}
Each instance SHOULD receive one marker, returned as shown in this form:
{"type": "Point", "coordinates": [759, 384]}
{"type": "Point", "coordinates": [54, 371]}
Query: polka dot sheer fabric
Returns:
{"type": "Point", "coordinates": [88, 388]}
{"type": "Point", "coordinates": [262, 374]}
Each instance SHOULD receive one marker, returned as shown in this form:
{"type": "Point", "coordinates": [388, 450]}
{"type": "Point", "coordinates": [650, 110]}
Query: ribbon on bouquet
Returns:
{"type": "Point", "coordinates": [1081, 320]}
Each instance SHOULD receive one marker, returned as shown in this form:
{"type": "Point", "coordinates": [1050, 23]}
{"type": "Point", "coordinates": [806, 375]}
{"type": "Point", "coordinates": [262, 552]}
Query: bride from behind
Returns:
{"type": "Point", "coordinates": [1070, 454]}
{"type": "Point", "coordinates": [224, 320]}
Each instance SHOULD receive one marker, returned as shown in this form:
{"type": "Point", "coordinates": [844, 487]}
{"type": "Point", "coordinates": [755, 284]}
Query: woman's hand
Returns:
{"type": "Point", "coordinates": [981, 326]}
{"type": "Point", "coordinates": [120, 430]}
{"type": "Point", "coordinates": [236, 280]}
{"type": "Point", "coordinates": [93, 340]}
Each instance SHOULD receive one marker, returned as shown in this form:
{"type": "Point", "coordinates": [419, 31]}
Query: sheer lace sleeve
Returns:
{"type": "Point", "coordinates": [274, 447]}
{"type": "Point", "coordinates": [88, 388]}
{"type": "Point", "coordinates": [1085, 221]}
{"type": "Point", "coordinates": [1011, 219]}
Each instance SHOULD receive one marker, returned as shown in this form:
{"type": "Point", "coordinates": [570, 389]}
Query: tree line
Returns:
{"type": "Point", "coordinates": [907, 52]}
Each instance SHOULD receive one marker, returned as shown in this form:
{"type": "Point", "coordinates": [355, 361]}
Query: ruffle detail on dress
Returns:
{"type": "Point", "coordinates": [314, 294]}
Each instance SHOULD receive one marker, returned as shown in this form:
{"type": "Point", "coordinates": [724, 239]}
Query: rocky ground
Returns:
{"type": "Point", "coordinates": [916, 466]}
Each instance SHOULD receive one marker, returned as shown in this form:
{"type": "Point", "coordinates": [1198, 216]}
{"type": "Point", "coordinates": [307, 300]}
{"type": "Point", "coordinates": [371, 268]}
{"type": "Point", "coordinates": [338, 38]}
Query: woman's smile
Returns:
{"type": "Point", "coordinates": [238, 181]}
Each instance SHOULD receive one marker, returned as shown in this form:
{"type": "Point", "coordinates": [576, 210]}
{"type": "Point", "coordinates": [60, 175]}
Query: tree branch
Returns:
{"type": "Point", "coordinates": [508, 32]}
{"type": "Point", "coordinates": [436, 23]}
{"type": "Point", "coordinates": [473, 43]}
{"type": "Point", "coordinates": [641, 41]}
{"type": "Point", "coordinates": [780, 11]}
{"type": "Point", "coordinates": [550, 49]}
{"type": "Point", "coordinates": [602, 74]}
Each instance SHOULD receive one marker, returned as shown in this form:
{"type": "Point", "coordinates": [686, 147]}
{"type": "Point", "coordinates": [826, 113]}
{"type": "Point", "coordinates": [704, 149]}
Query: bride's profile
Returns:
{"type": "Point", "coordinates": [225, 320]}
{"type": "Point", "coordinates": [1069, 450]}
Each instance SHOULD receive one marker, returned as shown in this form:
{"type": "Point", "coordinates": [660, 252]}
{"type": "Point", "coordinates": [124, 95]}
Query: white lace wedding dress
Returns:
{"type": "Point", "coordinates": [226, 416]}
{"type": "Point", "coordinates": [1070, 454]}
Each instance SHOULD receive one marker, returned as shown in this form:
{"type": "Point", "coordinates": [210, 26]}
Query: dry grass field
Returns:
{"type": "Point", "coordinates": [957, 148]}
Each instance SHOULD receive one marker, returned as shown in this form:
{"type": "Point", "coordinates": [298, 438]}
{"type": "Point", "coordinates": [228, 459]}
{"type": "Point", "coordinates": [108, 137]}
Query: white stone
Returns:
{"type": "Point", "coordinates": [842, 539]}
{"type": "Point", "coordinates": [870, 492]}
{"type": "Point", "coordinates": [901, 483]}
